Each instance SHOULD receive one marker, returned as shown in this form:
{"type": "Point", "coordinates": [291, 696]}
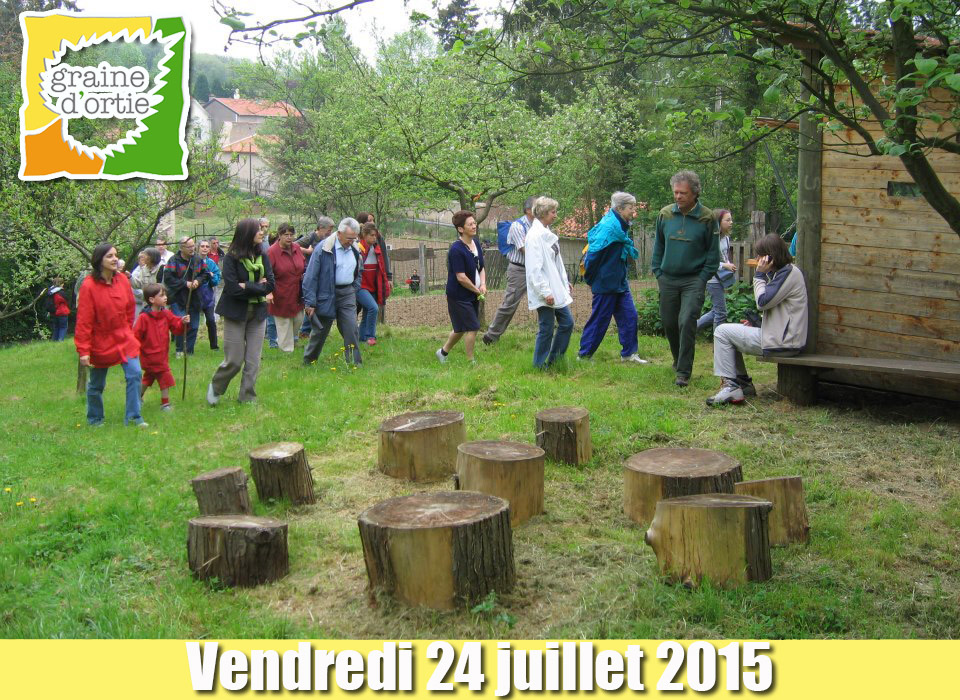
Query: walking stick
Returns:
{"type": "Point", "coordinates": [183, 393]}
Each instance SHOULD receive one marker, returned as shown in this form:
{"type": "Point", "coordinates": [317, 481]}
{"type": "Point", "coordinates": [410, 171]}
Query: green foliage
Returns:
{"type": "Point", "coordinates": [739, 300]}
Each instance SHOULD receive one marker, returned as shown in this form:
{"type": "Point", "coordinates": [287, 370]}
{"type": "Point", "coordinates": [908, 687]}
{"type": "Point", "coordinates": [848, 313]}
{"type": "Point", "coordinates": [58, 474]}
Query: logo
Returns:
{"type": "Point", "coordinates": [54, 93]}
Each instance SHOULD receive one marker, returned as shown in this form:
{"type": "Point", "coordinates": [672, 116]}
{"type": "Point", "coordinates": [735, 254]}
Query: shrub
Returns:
{"type": "Point", "coordinates": [739, 300]}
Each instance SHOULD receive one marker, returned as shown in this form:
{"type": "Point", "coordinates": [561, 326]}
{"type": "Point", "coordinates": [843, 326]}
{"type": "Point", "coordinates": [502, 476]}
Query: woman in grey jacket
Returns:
{"type": "Point", "coordinates": [781, 296]}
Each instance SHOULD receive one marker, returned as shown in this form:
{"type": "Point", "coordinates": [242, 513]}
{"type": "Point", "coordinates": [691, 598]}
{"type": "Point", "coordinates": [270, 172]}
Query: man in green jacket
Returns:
{"type": "Point", "coordinates": [686, 252]}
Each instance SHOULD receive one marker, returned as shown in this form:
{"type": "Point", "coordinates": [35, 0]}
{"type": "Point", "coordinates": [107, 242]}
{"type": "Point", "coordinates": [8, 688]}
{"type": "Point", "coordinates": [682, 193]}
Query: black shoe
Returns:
{"type": "Point", "coordinates": [746, 385]}
{"type": "Point", "coordinates": [682, 381]}
{"type": "Point", "coordinates": [486, 340]}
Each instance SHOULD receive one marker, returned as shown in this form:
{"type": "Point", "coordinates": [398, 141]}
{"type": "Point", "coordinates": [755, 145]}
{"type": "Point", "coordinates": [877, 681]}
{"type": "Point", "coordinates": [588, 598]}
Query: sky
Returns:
{"type": "Point", "coordinates": [379, 17]}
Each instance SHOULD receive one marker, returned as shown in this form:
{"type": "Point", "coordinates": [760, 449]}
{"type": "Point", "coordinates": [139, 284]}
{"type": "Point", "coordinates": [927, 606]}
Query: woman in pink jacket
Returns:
{"type": "Point", "coordinates": [104, 333]}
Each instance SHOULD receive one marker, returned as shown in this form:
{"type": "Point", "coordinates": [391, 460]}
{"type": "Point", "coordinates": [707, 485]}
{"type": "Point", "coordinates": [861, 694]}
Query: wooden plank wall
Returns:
{"type": "Point", "coordinates": [889, 266]}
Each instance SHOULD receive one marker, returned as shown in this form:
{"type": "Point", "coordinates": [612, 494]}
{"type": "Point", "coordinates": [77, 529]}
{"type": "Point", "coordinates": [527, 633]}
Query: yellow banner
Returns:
{"type": "Point", "coordinates": [183, 669]}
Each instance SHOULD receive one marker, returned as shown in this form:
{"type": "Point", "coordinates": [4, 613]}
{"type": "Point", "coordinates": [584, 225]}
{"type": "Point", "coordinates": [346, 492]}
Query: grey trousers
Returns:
{"type": "Point", "coordinates": [730, 342]}
{"type": "Point", "coordinates": [346, 305]}
{"type": "Point", "coordinates": [515, 293]}
{"type": "Point", "coordinates": [242, 345]}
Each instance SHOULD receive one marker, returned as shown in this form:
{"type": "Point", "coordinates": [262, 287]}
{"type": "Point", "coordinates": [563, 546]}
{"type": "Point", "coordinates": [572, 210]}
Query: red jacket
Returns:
{"type": "Point", "coordinates": [60, 305]}
{"type": "Point", "coordinates": [105, 321]}
{"type": "Point", "coordinates": [374, 277]}
{"type": "Point", "coordinates": [153, 329]}
{"type": "Point", "coordinates": [288, 266]}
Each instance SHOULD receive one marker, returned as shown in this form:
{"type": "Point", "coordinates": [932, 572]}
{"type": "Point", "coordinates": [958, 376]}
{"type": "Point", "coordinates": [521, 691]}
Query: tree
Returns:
{"type": "Point", "coordinates": [892, 57]}
{"type": "Point", "coordinates": [201, 89]}
{"type": "Point", "coordinates": [456, 21]}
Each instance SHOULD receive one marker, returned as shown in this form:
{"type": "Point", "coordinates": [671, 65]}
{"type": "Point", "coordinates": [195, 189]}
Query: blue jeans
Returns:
{"type": "Point", "coordinates": [368, 317]}
{"type": "Point", "coordinates": [60, 327]}
{"type": "Point", "coordinates": [718, 314]}
{"type": "Point", "coordinates": [619, 305]}
{"type": "Point", "coordinates": [272, 333]}
{"type": "Point", "coordinates": [98, 380]}
{"type": "Point", "coordinates": [550, 346]}
{"type": "Point", "coordinates": [192, 328]}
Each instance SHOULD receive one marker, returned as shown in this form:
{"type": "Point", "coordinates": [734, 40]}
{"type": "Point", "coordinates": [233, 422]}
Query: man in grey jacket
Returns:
{"type": "Point", "coordinates": [330, 287]}
{"type": "Point", "coordinates": [516, 290]}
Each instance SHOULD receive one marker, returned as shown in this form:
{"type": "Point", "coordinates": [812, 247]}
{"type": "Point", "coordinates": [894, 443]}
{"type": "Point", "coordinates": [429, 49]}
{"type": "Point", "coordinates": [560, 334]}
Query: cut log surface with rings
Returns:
{"type": "Point", "coordinates": [439, 550]}
{"type": "Point", "coordinates": [421, 446]}
{"type": "Point", "coordinates": [511, 470]}
{"type": "Point", "coordinates": [668, 472]}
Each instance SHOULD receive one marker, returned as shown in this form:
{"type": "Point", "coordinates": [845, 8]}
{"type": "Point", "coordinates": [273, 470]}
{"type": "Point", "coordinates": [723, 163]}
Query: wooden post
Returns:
{"type": "Point", "coordinates": [439, 550]}
{"type": "Point", "coordinates": [667, 472]}
{"type": "Point", "coordinates": [797, 383]}
{"type": "Point", "coordinates": [222, 492]}
{"type": "Point", "coordinates": [511, 470]}
{"type": "Point", "coordinates": [788, 519]}
{"type": "Point", "coordinates": [280, 470]}
{"type": "Point", "coordinates": [81, 378]}
{"type": "Point", "coordinates": [564, 434]}
{"type": "Point", "coordinates": [424, 278]}
{"type": "Point", "coordinates": [238, 550]}
{"type": "Point", "coordinates": [421, 446]}
{"type": "Point", "coordinates": [809, 203]}
{"type": "Point", "coordinates": [718, 535]}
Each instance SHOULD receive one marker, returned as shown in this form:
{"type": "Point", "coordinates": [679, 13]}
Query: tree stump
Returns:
{"type": "Point", "coordinates": [222, 492]}
{"type": "Point", "coordinates": [511, 470]}
{"type": "Point", "coordinates": [722, 536]}
{"type": "Point", "coordinates": [668, 472]}
{"type": "Point", "coordinates": [421, 446]}
{"type": "Point", "coordinates": [280, 470]}
{"type": "Point", "coordinates": [238, 550]}
{"type": "Point", "coordinates": [439, 550]}
{"type": "Point", "coordinates": [564, 434]}
{"type": "Point", "coordinates": [788, 519]}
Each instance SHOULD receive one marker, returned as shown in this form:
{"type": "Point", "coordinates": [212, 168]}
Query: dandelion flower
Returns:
{"type": "Point", "coordinates": [19, 503]}
{"type": "Point", "coordinates": [7, 490]}
{"type": "Point", "coordinates": [33, 500]}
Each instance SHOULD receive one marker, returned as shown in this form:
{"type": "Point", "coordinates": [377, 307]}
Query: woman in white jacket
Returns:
{"type": "Point", "coordinates": [548, 291]}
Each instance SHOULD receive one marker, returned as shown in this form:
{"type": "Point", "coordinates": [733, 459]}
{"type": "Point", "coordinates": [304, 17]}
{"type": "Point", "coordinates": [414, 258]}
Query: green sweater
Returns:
{"type": "Point", "coordinates": [686, 245]}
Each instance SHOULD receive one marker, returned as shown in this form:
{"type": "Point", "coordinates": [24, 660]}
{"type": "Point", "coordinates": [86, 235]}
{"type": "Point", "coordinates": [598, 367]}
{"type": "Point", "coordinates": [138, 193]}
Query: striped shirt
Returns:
{"type": "Point", "coordinates": [516, 237]}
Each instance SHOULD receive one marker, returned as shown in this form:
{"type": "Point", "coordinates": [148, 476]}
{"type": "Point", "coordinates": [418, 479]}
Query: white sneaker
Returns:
{"type": "Point", "coordinates": [635, 358]}
{"type": "Point", "coordinates": [730, 392]}
{"type": "Point", "coordinates": [179, 355]}
{"type": "Point", "coordinates": [212, 398]}
{"type": "Point", "coordinates": [441, 356]}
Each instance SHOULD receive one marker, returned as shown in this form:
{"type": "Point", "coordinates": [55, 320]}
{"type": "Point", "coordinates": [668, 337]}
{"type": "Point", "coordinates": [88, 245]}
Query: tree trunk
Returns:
{"type": "Point", "coordinates": [280, 470]}
{"type": "Point", "coordinates": [758, 226]}
{"type": "Point", "coordinates": [421, 446]}
{"type": "Point", "coordinates": [720, 536]}
{"type": "Point", "coordinates": [238, 550]}
{"type": "Point", "coordinates": [222, 492]}
{"type": "Point", "coordinates": [512, 471]}
{"type": "Point", "coordinates": [439, 550]}
{"type": "Point", "coordinates": [667, 472]}
{"type": "Point", "coordinates": [564, 434]}
{"type": "Point", "coordinates": [788, 519]}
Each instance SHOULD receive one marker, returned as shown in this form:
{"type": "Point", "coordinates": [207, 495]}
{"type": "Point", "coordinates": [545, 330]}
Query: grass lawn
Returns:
{"type": "Point", "coordinates": [101, 552]}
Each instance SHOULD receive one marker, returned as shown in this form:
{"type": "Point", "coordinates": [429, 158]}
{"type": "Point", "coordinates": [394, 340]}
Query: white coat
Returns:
{"type": "Point", "coordinates": [546, 275]}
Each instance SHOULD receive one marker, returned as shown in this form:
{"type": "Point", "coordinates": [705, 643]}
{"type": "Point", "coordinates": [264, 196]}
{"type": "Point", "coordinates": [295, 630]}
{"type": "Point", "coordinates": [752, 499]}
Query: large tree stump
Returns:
{"type": "Point", "coordinates": [511, 470]}
{"type": "Point", "coordinates": [722, 536]}
{"type": "Point", "coordinates": [668, 472]}
{"type": "Point", "coordinates": [439, 550]}
{"type": "Point", "coordinates": [280, 470]}
{"type": "Point", "coordinates": [421, 446]}
{"type": "Point", "coordinates": [222, 492]}
{"type": "Point", "coordinates": [564, 434]}
{"type": "Point", "coordinates": [788, 519]}
{"type": "Point", "coordinates": [238, 550]}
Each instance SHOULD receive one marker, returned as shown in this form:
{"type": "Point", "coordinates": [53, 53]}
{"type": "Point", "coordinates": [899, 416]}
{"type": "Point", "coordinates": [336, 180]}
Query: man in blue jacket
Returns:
{"type": "Point", "coordinates": [609, 249]}
{"type": "Point", "coordinates": [330, 287]}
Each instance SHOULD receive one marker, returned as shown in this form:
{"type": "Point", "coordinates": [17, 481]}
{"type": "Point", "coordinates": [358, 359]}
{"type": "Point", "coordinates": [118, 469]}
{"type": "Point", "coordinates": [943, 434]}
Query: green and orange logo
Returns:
{"type": "Point", "coordinates": [55, 92]}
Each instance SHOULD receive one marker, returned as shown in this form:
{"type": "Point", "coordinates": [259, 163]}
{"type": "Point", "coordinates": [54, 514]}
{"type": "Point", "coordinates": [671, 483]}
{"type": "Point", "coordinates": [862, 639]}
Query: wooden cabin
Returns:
{"type": "Point", "coordinates": [882, 269]}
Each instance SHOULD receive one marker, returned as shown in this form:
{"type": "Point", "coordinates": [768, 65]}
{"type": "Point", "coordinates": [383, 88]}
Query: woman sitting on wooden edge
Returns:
{"type": "Point", "coordinates": [781, 296]}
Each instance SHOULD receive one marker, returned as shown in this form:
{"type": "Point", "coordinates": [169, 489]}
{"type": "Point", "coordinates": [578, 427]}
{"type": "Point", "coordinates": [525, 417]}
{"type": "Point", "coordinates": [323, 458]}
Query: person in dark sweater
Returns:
{"type": "Point", "coordinates": [686, 253]}
{"type": "Point", "coordinates": [609, 247]}
{"type": "Point", "coordinates": [183, 275]}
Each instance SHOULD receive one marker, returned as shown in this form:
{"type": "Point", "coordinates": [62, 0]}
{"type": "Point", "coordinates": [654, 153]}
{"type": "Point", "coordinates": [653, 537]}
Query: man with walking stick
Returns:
{"type": "Point", "coordinates": [184, 273]}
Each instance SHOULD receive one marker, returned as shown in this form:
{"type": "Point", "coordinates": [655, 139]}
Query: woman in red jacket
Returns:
{"type": "Point", "coordinates": [104, 333]}
{"type": "Point", "coordinates": [288, 265]}
{"type": "Point", "coordinates": [374, 287]}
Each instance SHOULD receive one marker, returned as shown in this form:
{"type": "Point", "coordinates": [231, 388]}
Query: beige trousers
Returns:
{"type": "Point", "coordinates": [242, 345]}
{"type": "Point", "coordinates": [287, 331]}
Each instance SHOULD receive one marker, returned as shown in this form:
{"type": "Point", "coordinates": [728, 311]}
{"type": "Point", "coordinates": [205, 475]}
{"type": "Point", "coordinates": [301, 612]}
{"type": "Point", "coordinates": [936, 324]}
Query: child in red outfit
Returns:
{"type": "Point", "coordinates": [153, 329]}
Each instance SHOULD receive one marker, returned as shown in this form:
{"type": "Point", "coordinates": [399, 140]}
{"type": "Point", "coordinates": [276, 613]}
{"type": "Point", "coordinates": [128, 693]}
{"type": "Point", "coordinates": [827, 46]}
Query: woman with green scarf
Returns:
{"type": "Point", "coordinates": [247, 289]}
